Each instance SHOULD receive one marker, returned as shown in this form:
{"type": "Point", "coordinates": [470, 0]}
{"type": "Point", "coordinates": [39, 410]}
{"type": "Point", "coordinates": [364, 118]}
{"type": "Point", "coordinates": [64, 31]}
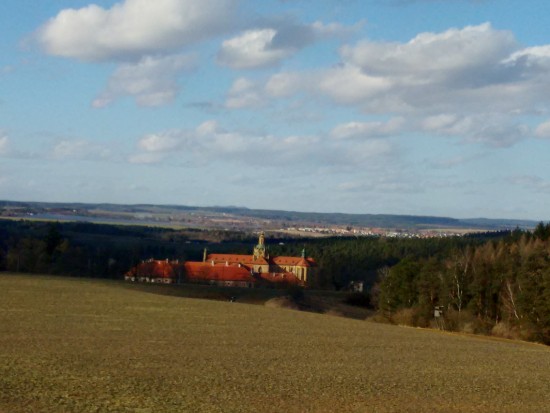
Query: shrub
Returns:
{"type": "Point", "coordinates": [465, 322]}
{"type": "Point", "coordinates": [405, 317]}
{"type": "Point", "coordinates": [503, 330]}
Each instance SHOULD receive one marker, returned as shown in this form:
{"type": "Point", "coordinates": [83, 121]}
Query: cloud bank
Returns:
{"type": "Point", "coordinates": [209, 142]}
{"type": "Point", "coordinates": [475, 83]}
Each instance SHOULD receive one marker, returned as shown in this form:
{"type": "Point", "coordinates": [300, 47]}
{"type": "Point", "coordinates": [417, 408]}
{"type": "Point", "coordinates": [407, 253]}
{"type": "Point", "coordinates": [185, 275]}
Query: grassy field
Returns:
{"type": "Point", "coordinates": [70, 345]}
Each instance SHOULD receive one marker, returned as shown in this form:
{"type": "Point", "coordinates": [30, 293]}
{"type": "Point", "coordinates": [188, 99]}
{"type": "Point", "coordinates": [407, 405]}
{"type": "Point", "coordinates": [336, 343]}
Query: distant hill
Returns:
{"type": "Point", "coordinates": [152, 214]}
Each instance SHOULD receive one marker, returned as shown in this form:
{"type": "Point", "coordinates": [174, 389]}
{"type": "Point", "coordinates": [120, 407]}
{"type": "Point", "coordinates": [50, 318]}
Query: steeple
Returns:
{"type": "Point", "coordinates": [303, 253]}
{"type": "Point", "coordinates": [260, 250]}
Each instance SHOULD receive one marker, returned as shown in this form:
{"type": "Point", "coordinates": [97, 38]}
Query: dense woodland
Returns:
{"type": "Point", "coordinates": [495, 283]}
{"type": "Point", "coordinates": [500, 287]}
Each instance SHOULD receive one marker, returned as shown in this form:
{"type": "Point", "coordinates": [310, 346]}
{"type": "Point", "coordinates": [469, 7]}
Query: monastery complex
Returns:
{"type": "Point", "coordinates": [232, 270]}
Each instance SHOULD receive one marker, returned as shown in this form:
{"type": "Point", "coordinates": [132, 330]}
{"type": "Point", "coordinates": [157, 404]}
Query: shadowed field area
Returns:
{"type": "Point", "coordinates": [69, 345]}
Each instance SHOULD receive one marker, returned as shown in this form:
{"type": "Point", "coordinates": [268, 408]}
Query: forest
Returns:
{"type": "Point", "coordinates": [500, 287]}
{"type": "Point", "coordinates": [491, 283]}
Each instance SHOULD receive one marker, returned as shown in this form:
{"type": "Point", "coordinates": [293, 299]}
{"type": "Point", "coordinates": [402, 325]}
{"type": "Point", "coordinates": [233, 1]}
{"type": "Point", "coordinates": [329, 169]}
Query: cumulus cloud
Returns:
{"type": "Point", "coordinates": [458, 68]}
{"type": "Point", "coordinates": [252, 49]}
{"type": "Point", "coordinates": [144, 37]}
{"type": "Point", "coordinates": [133, 28]}
{"type": "Point", "coordinates": [245, 93]}
{"type": "Point", "coordinates": [151, 81]}
{"type": "Point", "coordinates": [262, 47]}
{"type": "Point", "coordinates": [79, 149]}
{"type": "Point", "coordinates": [210, 142]}
{"type": "Point", "coordinates": [431, 57]}
{"type": "Point", "coordinates": [474, 83]}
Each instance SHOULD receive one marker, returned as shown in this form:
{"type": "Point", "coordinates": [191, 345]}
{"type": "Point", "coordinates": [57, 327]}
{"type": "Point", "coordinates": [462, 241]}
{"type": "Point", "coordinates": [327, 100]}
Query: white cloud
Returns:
{"type": "Point", "coordinates": [458, 68]}
{"type": "Point", "coordinates": [364, 151]}
{"type": "Point", "coordinates": [164, 142]}
{"type": "Point", "coordinates": [284, 84]}
{"type": "Point", "coordinates": [262, 47]}
{"type": "Point", "coordinates": [245, 93]}
{"type": "Point", "coordinates": [133, 28]}
{"type": "Point", "coordinates": [354, 130]}
{"type": "Point", "coordinates": [441, 122]}
{"type": "Point", "coordinates": [252, 49]}
{"type": "Point", "coordinates": [151, 81]}
{"type": "Point", "coordinates": [473, 83]}
{"type": "Point", "coordinates": [79, 149]}
{"type": "Point", "coordinates": [433, 57]}
{"type": "Point", "coordinates": [209, 142]}
{"type": "Point", "coordinates": [531, 56]}
{"type": "Point", "coordinates": [350, 85]}
{"type": "Point", "coordinates": [543, 130]}
{"type": "Point", "coordinates": [489, 129]}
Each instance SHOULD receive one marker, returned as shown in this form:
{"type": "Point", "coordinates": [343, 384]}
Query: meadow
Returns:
{"type": "Point", "coordinates": [76, 345]}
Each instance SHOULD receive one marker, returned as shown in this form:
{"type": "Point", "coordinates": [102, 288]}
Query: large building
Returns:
{"type": "Point", "coordinates": [229, 269]}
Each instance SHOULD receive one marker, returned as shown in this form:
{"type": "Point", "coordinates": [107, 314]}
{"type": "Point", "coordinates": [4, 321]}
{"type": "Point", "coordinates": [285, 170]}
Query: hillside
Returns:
{"type": "Point", "coordinates": [82, 345]}
{"type": "Point", "coordinates": [241, 218]}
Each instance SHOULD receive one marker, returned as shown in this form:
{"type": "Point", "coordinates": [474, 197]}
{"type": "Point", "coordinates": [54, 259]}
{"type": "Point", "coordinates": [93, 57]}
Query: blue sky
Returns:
{"type": "Point", "coordinates": [424, 107]}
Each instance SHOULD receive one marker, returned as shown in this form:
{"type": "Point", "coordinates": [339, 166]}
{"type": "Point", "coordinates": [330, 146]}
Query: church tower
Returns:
{"type": "Point", "coordinates": [260, 250]}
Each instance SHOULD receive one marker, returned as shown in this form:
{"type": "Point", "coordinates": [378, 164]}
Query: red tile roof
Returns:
{"type": "Point", "coordinates": [222, 267]}
{"type": "Point", "coordinates": [260, 261]}
{"type": "Point", "coordinates": [305, 262]}
{"type": "Point", "coordinates": [286, 277]}
{"type": "Point", "coordinates": [231, 258]}
{"type": "Point", "coordinates": [204, 271]}
{"type": "Point", "coordinates": [153, 269]}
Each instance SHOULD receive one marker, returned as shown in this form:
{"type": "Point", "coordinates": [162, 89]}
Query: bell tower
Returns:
{"type": "Point", "coordinates": [260, 249]}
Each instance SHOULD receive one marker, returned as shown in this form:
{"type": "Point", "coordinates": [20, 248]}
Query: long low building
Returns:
{"type": "Point", "coordinates": [229, 269]}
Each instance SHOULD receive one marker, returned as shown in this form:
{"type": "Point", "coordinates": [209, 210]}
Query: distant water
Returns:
{"type": "Point", "coordinates": [81, 218]}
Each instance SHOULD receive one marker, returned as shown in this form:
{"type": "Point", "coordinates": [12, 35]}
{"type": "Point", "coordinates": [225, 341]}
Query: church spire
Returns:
{"type": "Point", "coordinates": [260, 249]}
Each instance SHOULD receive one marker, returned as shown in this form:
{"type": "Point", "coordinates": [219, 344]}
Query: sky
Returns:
{"type": "Point", "coordinates": [417, 107]}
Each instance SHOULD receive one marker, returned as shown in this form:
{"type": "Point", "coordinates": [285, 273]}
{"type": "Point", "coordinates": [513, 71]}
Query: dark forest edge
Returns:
{"type": "Point", "coordinates": [495, 283]}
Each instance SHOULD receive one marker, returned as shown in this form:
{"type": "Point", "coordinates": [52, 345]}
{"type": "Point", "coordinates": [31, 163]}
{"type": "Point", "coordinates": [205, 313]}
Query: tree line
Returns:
{"type": "Point", "coordinates": [493, 283]}
{"type": "Point", "coordinates": [500, 287]}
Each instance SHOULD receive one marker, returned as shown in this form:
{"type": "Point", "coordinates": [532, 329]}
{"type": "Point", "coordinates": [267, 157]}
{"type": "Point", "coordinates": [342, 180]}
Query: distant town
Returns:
{"type": "Point", "coordinates": [274, 223]}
